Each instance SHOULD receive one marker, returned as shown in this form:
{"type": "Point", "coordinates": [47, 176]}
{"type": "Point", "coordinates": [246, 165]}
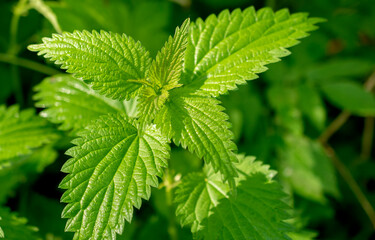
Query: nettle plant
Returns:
{"type": "Point", "coordinates": [126, 108]}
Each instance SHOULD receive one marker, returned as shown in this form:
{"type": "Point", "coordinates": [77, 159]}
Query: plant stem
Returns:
{"type": "Point", "coordinates": [142, 81]}
{"type": "Point", "coordinates": [367, 143]}
{"type": "Point", "coordinates": [18, 10]}
{"type": "Point", "coordinates": [367, 138]}
{"type": "Point", "coordinates": [344, 115]}
{"type": "Point", "coordinates": [348, 178]}
{"type": "Point", "coordinates": [46, 11]}
{"type": "Point", "coordinates": [172, 228]}
{"type": "Point", "coordinates": [35, 66]}
{"type": "Point", "coordinates": [334, 126]}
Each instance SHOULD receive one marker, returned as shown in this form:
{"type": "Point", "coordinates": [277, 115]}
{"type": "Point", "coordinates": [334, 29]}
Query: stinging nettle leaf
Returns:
{"type": "Point", "coordinates": [72, 103]}
{"type": "Point", "coordinates": [165, 70]}
{"type": "Point", "coordinates": [199, 124]}
{"type": "Point", "coordinates": [110, 62]}
{"type": "Point", "coordinates": [164, 74]}
{"type": "Point", "coordinates": [257, 212]}
{"type": "Point", "coordinates": [199, 192]}
{"type": "Point", "coordinates": [22, 131]}
{"type": "Point", "coordinates": [112, 169]}
{"type": "Point", "coordinates": [230, 49]}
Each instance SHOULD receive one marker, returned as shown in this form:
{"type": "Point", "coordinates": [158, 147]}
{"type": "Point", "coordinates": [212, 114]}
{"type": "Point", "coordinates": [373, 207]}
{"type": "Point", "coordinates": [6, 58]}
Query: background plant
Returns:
{"type": "Point", "coordinates": [276, 118]}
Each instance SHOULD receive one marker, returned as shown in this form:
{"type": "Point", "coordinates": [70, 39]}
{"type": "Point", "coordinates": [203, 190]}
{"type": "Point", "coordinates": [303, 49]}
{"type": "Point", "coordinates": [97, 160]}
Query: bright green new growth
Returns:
{"type": "Point", "coordinates": [118, 156]}
{"type": "Point", "coordinates": [20, 132]}
{"type": "Point", "coordinates": [163, 75]}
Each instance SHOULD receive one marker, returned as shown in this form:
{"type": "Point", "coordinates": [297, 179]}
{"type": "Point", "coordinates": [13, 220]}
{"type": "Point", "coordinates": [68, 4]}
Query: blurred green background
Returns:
{"type": "Point", "coordinates": [310, 116]}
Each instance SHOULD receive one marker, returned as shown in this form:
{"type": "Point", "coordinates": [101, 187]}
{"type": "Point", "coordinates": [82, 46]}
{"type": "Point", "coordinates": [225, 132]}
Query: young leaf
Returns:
{"type": "Point", "coordinates": [20, 132]}
{"type": "Point", "coordinates": [112, 169]}
{"type": "Point", "coordinates": [258, 212]}
{"type": "Point", "coordinates": [71, 102]}
{"type": "Point", "coordinates": [111, 63]}
{"type": "Point", "coordinates": [227, 50]}
{"type": "Point", "coordinates": [200, 192]}
{"type": "Point", "coordinates": [14, 227]}
{"type": "Point", "coordinates": [164, 73]}
{"type": "Point", "coordinates": [199, 124]}
{"type": "Point", "coordinates": [165, 70]}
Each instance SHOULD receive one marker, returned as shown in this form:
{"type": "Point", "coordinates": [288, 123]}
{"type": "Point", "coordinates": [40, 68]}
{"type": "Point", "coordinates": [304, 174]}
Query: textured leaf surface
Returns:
{"type": "Point", "coordinates": [72, 103]}
{"type": "Point", "coordinates": [258, 212]}
{"type": "Point", "coordinates": [112, 169]}
{"type": "Point", "coordinates": [199, 124]}
{"type": "Point", "coordinates": [227, 50]}
{"type": "Point", "coordinates": [105, 60]}
{"type": "Point", "coordinates": [13, 227]}
{"type": "Point", "coordinates": [21, 131]}
{"type": "Point", "coordinates": [165, 70]}
{"type": "Point", "coordinates": [164, 74]}
{"type": "Point", "coordinates": [200, 192]}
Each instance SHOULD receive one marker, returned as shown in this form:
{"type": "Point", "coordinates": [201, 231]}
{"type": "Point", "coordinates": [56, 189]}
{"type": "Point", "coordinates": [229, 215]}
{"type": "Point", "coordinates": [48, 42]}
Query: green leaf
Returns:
{"type": "Point", "coordinates": [71, 102]}
{"type": "Point", "coordinates": [112, 169]}
{"type": "Point", "coordinates": [340, 68]}
{"type": "Point", "coordinates": [164, 74]}
{"type": "Point", "coordinates": [232, 48]}
{"type": "Point", "coordinates": [307, 168]}
{"type": "Point", "coordinates": [258, 212]}
{"type": "Point", "coordinates": [350, 96]}
{"type": "Point", "coordinates": [199, 124]}
{"type": "Point", "coordinates": [165, 70]}
{"type": "Point", "coordinates": [22, 131]}
{"type": "Point", "coordinates": [13, 227]}
{"type": "Point", "coordinates": [20, 169]}
{"type": "Point", "coordinates": [199, 193]}
{"type": "Point", "coordinates": [111, 63]}
{"type": "Point", "coordinates": [120, 17]}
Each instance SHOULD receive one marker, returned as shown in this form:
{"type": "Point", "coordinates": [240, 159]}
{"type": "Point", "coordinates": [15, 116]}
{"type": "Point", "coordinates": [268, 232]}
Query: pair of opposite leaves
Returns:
{"type": "Point", "coordinates": [118, 158]}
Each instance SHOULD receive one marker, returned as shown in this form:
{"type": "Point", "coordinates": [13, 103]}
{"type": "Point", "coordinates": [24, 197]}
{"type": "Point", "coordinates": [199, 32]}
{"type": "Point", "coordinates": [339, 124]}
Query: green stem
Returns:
{"type": "Point", "coordinates": [47, 12]}
{"type": "Point", "coordinates": [172, 228]}
{"type": "Point", "coordinates": [353, 185]}
{"type": "Point", "coordinates": [334, 126]}
{"type": "Point", "coordinates": [11, 59]}
{"type": "Point", "coordinates": [367, 138]}
{"type": "Point", "coordinates": [18, 10]}
{"type": "Point", "coordinates": [141, 81]}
